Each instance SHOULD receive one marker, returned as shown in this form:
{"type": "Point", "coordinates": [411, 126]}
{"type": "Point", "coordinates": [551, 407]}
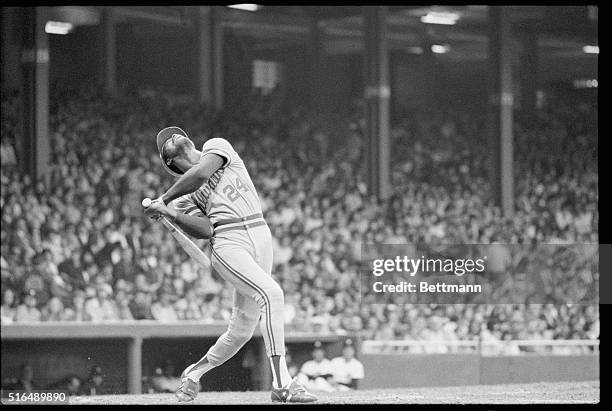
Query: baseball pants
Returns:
{"type": "Point", "coordinates": [243, 257]}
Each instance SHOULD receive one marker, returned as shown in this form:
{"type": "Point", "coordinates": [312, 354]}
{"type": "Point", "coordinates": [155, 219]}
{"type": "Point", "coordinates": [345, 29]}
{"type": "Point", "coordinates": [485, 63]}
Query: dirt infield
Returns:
{"type": "Point", "coordinates": [535, 393]}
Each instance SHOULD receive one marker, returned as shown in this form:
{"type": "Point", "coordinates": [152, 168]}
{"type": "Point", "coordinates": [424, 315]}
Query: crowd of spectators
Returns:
{"type": "Point", "coordinates": [77, 247]}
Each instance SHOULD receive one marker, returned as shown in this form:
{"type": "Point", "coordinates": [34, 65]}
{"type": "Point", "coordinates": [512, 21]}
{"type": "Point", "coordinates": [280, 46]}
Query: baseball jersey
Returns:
{"type": "Point", "coordinates": [229, 192]}
{"type": "Point", "coordinates": [345, 371]}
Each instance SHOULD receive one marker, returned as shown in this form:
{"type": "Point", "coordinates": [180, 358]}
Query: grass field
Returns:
{"type": "Point", "coordinates": [534, 393]}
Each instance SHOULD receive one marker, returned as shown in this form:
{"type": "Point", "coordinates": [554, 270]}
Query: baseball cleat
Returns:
{"type": "Point", "coordinates": [188, 390]}
{"type": "Point", "coordinates": [293, 393]}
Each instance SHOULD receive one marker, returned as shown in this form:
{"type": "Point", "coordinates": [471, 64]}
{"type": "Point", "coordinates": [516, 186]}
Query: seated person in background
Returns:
{"type": "Point", "coordinates": [347, 370]}
{"type": "Point", "coordinates": [8, 310]}
{"type": "Point", "coordinates": [140, 306]}
{"type": "Point", "coordinates": [27, 311]}
{"type": "Point", "coordinates": [53, 310]}
{"type": "Point", "coordinates": [316, 374]}
{"type": "Point", "coordinates": [293, 369]}
{"type": "Point", "coordinates": [165, 379]}
{"type": "Point", "coordinates": [95, 382]}
{"type": "Point", "coordinates": [70, 384]}
{"type": "Point", "coordinates": [24, 382]}
{"type": "Point", "coordinates": [163, 310]}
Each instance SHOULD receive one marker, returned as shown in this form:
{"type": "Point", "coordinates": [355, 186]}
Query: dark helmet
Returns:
{"type": "Point", "coordinates": [162, 137]}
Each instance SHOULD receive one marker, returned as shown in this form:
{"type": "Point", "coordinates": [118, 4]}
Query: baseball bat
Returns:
{"type": "Point", "coordinates": [185, 242]}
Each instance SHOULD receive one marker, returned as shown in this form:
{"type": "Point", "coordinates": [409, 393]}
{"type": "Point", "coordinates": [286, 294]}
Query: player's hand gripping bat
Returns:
{"type": "Point", "coordinates": [189, 246]}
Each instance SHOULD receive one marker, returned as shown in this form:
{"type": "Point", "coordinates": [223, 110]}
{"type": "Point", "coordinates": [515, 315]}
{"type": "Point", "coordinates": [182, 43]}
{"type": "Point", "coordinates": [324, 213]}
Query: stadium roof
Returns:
{"type": "Point", "coordinates": [562, 31]}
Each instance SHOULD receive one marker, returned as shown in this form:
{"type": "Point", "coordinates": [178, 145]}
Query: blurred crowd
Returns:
{"type": "Point", "coordinates": [77, 247]}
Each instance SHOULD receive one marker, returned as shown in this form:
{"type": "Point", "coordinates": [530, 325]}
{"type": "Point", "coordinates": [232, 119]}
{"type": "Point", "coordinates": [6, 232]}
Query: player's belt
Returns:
{"type": "Point", "coordinates": [239, 223]}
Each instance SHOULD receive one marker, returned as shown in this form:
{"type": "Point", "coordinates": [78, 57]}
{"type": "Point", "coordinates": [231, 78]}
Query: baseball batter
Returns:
{"type": "Point", "coordinates": [215, 197]}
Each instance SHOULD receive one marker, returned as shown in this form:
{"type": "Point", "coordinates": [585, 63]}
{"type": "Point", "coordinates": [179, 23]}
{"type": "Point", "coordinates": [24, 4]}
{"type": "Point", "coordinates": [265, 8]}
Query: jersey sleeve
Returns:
{"type": "Point", "coordinates": [187, 206]}
{"type": "Point", "coordinates": [221, 147]}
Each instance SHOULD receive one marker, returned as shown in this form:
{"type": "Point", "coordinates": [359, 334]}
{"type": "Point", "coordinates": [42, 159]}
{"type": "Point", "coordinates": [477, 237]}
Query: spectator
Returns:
{"type": "Point", "coordinates": [123, 306]}
{"type": "Point", "coordinates": [8, 310]}
{"type": "Point", "coordinates": [53, 310]}
{"type": "Point", "coordinates": [27, 311]}
{"type": "Point", "coordinates": [163, 310]}
{"type": "Point", "coordinates": [8, 158]}
{"type": "Point", "coordinates": [140, 306]}
{"type": "Point", "coordinates": [77, 312]}
{"type": "Point", "coordinates": [316, 203]}
{"type": "Point", "coordinates": [101, 307]}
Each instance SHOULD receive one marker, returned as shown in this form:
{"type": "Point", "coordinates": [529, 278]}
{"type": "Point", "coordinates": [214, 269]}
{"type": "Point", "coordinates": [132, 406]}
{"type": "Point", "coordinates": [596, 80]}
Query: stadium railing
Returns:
{"type": "Point", "coordinates": [509, 347]}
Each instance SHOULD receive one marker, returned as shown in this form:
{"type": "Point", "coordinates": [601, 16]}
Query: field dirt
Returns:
{"type": "Point", "coordinates": [533, 393]}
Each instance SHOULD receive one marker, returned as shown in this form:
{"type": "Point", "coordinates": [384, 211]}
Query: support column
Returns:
{"type": "Point", "coordinates": [377, 95]}
{"type": "Point", "coordinates": [110, 52]}
{"type": "Point", "coordinates": [209, 44]}
{"type": "Point", "coordinates": [501, 101]}
{"type": "Point", "coordinates": [429, 69]}
{"type": "Point", "coordinates": [10, 48]}
{"type": "Point", "coordinates": [217, 52]}
{"type": "Point", "coordinates": [34, 148]}
{"type": "Point", "coordinates": [529, 68]}
{"type": "Point", "coordinates": [135, 365]}
{"type": "Point", "coordinates": [316, 53]}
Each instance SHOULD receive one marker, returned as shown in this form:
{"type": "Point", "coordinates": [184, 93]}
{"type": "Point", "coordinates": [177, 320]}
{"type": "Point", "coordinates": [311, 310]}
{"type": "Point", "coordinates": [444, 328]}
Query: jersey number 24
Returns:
{"type": "Point", "coordinates": [232, 192]}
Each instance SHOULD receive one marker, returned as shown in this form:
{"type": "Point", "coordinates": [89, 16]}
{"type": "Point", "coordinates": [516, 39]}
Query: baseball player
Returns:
{"type": "Point", "coordinates": [347, 370]}
{"type": "Point", "coordinates": [316, 374]}
{"type": "Point", "coordinates": [215, 197]}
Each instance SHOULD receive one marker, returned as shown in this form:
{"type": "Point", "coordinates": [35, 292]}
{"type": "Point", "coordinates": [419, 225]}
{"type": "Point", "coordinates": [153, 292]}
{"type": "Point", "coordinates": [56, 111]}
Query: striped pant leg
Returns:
{"type": "Point", "coordinates": [238, 266]}
{"type": "Point", "coordinates": [244, 320]}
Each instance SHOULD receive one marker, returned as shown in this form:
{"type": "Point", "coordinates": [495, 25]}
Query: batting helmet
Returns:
{"type": "Point", "coordinates": [162, 137]}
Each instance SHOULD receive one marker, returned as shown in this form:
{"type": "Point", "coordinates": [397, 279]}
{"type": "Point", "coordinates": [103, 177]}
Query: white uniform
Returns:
{"type": "Point", "coordinates": [314, 369]}
{"type": "Point", "coordinates": [345, 371]}
{"type": "Point", "coordinates": [314, 375]}
{"type": "Point", "coordinates": [241, 252]}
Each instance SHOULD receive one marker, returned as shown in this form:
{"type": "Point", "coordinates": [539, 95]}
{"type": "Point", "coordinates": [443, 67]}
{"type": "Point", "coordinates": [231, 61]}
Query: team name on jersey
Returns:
{"type": "Point", "coordinates": [201, 195]}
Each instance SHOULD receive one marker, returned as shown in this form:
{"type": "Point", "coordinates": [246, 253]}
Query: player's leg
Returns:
{"type": "Point", "coordinates": [238, 266]}
{"type": "Point", "coordinates": [244, 320]}
{"type": "Point", "coordinates": [285, 389]}
{"type": "Point", "coordinates": [252, 281]}
{"type": "Point", "coordinates": [262, 239]}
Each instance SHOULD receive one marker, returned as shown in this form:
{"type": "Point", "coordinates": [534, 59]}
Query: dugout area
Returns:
{"type": "Point", "coordinates": [129, 352]}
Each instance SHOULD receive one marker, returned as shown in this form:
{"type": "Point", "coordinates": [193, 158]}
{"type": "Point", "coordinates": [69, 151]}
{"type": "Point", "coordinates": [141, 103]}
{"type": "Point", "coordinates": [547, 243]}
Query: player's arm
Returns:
{"type": "Point", "coordinates": [194, 178]}
{"type": "Point", "coordinates": [196, 226]}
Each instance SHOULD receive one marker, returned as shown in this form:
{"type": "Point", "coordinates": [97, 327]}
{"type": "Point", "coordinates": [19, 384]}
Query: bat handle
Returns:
{"type": "Point", "coordinates": [168, 224]}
